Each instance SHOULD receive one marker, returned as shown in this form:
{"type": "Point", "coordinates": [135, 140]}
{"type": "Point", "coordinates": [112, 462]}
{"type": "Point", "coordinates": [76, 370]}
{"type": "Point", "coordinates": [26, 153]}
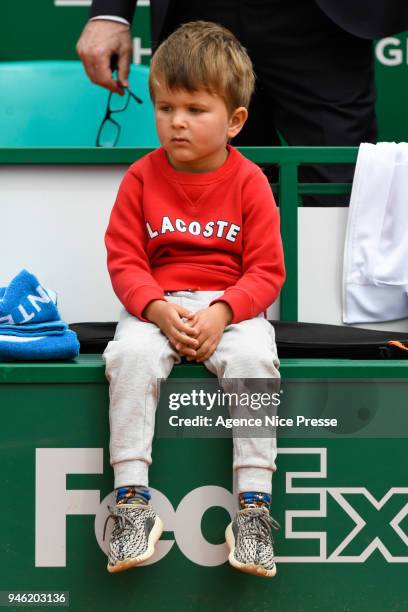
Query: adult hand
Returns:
{"type": "Point", "coordinates": [100, 40]}
{"type": "Point", "coordinates": [210, 324]}
{"type": "Point", "coordinates": [169, 318]}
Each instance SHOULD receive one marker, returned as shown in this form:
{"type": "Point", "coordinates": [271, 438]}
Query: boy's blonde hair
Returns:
{"type": "Point", "coordinates": [204, 55]}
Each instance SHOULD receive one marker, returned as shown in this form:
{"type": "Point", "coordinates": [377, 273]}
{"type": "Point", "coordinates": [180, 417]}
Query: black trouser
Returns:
{"type": "Point", "coordinates": [315, 82]}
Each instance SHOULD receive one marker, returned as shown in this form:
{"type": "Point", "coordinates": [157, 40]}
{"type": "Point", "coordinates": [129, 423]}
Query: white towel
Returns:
{"type": "Point", "coordinates": [375, 272]}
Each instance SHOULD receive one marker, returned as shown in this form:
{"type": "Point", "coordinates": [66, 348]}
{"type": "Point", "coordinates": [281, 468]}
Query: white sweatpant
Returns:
{"type": "Point", "coordinates": [140, 354]}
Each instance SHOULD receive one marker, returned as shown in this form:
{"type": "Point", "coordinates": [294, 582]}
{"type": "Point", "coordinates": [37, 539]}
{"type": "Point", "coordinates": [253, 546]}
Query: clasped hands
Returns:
{"type": "Point", "coordinates": [193, 335]}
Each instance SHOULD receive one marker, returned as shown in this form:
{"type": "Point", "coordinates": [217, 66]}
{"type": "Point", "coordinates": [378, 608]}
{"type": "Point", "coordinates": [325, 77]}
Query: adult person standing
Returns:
{"type": "Point", "coordinates": [313, 60]}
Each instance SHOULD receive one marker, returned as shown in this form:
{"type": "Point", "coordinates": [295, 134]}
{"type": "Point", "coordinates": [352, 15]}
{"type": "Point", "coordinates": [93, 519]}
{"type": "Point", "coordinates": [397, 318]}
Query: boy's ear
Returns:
{"type": "Point", "coordinates": [236, 121]}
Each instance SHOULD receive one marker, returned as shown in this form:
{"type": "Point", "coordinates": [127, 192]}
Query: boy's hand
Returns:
{"type": "Point", "coordinates": [169, 318]}
{"type": "Point", "coordinates": [210, 324]}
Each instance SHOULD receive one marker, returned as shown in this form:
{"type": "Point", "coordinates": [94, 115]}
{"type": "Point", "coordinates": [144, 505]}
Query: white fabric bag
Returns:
{"type": "Point", "coordinates": [375, 271]}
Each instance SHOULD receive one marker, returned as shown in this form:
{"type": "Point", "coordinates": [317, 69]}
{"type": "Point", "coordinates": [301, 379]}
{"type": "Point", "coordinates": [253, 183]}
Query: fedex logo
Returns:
{"type": "Point", "coordinates": [366, 514]}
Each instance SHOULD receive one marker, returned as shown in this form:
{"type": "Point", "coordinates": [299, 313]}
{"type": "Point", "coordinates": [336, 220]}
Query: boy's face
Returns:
{"type": "Point", "coordinates": [194, 127]}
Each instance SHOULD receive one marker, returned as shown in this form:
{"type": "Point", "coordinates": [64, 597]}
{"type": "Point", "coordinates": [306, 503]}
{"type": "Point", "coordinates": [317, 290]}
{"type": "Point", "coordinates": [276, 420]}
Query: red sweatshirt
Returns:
{"type": "Point", "coordinates": [218, 230]}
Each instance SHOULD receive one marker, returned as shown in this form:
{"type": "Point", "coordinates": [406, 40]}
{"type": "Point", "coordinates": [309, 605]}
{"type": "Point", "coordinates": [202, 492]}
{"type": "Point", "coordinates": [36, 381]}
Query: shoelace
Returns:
{"type": "Point", "coordinates": [259, 525]}
{"type": "Point", "coordinates": [120, 518]}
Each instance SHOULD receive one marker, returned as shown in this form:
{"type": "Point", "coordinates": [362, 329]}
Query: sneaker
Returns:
{"type": "Point", "coordinates": [250, 541]}
{"type": "Point", "coordinates": [134, 535]}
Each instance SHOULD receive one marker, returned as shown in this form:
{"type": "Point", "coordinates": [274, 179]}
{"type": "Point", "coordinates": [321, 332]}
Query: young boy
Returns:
{"type": "Point", "coordinates": [195, 257]}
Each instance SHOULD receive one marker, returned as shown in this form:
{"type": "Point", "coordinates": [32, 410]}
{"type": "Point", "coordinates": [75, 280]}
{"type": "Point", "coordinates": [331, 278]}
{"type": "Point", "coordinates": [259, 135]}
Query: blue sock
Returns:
{"type": "Point", "coordinates": [132, 495]}
{"type": "Point", "coordinates": [254, 499]}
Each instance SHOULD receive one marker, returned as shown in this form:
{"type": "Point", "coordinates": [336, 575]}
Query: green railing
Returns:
{"type": "Point", "coordinates": [289, 189]}
{"type": "Point", "coordinates": [288, 159]}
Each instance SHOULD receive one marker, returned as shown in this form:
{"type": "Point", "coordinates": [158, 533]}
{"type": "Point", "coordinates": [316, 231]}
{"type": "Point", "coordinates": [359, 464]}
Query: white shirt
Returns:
{"type": "Point", "coordinates": [111, 18]}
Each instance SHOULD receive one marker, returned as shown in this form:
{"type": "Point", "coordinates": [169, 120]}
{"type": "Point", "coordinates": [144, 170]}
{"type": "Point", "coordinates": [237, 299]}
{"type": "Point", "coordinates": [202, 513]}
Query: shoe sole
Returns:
{"type": "Point", "coordinates": [154, 536]}
{"type": "Point", "coordinates": [247, 568]}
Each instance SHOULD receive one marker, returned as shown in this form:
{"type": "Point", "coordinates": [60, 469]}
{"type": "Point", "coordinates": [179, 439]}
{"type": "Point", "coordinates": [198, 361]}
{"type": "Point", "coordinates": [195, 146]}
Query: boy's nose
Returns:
{"type": "Point", "coordinates": [178, 119]}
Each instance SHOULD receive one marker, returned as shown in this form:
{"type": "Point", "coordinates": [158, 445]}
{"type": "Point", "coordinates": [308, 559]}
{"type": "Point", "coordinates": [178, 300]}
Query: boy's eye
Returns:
{"type": "Point", "coordinates": [195, 110]}
{"type": "Point", "coordinates": [165, 109]}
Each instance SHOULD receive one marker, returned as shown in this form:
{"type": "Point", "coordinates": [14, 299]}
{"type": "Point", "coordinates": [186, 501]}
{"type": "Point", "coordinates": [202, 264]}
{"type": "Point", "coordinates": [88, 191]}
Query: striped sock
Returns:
{"type": "Point", "coordinates": [132, 495]}
{"type": "Point", "coordinates": [254, 499]}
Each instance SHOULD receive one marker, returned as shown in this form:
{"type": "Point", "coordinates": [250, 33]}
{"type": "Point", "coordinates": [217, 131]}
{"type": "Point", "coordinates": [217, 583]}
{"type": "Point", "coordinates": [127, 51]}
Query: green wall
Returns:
{"type": "Point", "coordinates": [341, 500]}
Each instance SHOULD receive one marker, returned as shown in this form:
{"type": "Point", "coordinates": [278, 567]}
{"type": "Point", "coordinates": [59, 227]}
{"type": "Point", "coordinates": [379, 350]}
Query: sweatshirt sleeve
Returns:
{"type": "Point", "coordinates": [126, 245]}
{"type": "Point", "coordinates": [263, 270]}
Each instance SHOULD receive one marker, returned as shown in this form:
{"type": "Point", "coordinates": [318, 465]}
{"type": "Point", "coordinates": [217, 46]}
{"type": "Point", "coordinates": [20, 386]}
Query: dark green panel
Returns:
{"type": "Point", "coordinates": [392, 88]}
{"type": "Point", "coordinates": [43, 30]}
{"type": "Point", "coordinates": [73, 416]}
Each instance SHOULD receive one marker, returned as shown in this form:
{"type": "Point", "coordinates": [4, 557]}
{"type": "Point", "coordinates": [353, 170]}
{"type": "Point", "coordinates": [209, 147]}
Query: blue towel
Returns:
{"type": "Point", "coordinates": [30, 324]}
{"type": "Point", "coordinates": [53, 328]}
{"type": "Point", "coordinates": [26, 301]}
{"type": "Point", "coordinates": [39, 348]}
